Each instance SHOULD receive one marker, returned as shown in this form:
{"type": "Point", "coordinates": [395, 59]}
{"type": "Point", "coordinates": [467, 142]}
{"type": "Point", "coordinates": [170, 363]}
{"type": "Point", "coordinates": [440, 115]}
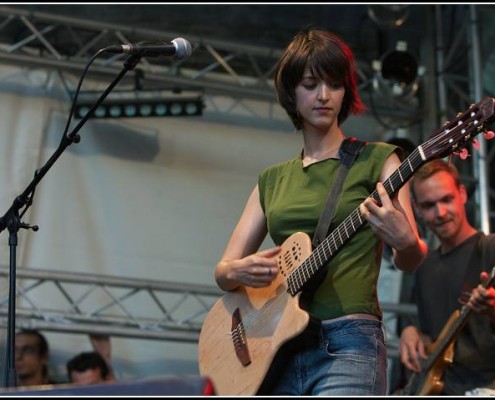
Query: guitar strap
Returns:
{"type": "Point", "coordinates": [348, 152]}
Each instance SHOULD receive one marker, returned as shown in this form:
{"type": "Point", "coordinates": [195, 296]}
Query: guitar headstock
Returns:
{"type": "Point", "coordinates": [456, 134]}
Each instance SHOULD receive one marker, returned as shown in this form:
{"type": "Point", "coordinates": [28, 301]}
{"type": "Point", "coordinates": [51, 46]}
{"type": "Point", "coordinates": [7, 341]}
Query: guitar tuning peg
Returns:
{"type": "Point", "coordinates": [476, 144]}
{"type": "Point", "coordinates": [463, 153]}
{"type": "Point", "coordinates": [488, 135]}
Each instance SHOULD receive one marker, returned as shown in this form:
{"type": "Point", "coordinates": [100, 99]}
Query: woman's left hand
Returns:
{"type": "Point", "coordinates": [389, 221]}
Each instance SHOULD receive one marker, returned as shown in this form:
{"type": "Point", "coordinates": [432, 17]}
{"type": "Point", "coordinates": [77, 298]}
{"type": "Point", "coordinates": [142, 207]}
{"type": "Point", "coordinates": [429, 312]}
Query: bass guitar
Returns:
{"type": "Point", "coordinates": [429, 382]}
{"type": "Point", "coordinates": [246, 328]}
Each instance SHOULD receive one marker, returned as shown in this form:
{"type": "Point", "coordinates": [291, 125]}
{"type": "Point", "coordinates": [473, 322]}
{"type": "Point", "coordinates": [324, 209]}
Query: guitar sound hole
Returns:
{"type": "Point", "coordinates": [289, 260]}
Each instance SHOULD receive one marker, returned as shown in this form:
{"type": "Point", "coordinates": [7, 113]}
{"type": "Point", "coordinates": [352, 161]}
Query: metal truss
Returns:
{"type": "Point", "coordinates": [87, 303]}
{"type": "Point", "coordinates": [218, 67]}
{"type": "Point", "coordinates": [458, 67]}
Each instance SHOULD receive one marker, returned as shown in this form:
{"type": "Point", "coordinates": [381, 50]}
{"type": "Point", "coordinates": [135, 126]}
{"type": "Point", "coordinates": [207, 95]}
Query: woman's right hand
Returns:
{"type": "Point", "coordinates": [256, 270]}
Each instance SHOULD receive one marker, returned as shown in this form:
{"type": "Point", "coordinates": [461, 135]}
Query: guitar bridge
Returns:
{"type": "Point", "coordinates": [239, 338]}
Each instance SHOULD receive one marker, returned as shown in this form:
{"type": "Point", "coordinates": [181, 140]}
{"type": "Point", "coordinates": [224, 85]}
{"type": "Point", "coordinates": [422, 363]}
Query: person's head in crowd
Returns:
{"type": "Point", "coordinates": [31, 358]}
{"type": "Point", "coordinates": [87, 368]}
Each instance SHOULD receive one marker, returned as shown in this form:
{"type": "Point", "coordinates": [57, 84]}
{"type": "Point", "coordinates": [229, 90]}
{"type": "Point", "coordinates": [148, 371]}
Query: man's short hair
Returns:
{"type": "Point", "coordinates": [87, 360]}
{"type": "Point", "coordinates": [431, 168]}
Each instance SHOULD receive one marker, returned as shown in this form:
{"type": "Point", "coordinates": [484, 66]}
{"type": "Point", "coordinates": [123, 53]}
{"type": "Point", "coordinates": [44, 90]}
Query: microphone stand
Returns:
{"type": "Point", "coordinates": [11, 220]}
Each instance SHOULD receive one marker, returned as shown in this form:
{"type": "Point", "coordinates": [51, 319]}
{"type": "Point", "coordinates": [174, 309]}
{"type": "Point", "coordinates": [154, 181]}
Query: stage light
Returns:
{"type": "Point", "coordinates": [130, 110]}
{"type": "Point", "coordinates": [141, 103]}
{"type": "Point", "coordinates": [397, 72]}
{"type": "Point", "coordinates": [175, 109]}
{"type": "Point", "coordinates": [191, 108]}
{"type": "Point", "coordinates": [389, 15]}
{"type": "Point", "coordinates": [101, 112]}
{"type": "Point", "coordinates": [81, 111]}
{"type": "Point", "coordinates": [145, 110]}
{"type": "Point", "coordinates": [160, 109]}
{"type": "Point", "coordinates": [115, 111]}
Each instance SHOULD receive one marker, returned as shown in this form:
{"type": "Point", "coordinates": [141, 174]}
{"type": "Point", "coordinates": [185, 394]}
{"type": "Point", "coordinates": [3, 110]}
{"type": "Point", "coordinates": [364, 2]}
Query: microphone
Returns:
{"type": "Point", "coordinates": [179, 47]}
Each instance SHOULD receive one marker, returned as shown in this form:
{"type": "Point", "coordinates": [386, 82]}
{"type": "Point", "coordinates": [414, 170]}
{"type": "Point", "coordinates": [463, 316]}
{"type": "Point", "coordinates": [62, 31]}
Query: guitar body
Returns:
{"type": "Point", "coordinates": [270, 317]}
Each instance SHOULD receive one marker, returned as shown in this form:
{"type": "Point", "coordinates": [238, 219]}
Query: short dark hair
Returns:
{"type": "Point", "coordinates": [329, 58]}
{"type": "Point", "coordinates": [87, 360]}
{"type": "Point", "coordinates": [42, 342]}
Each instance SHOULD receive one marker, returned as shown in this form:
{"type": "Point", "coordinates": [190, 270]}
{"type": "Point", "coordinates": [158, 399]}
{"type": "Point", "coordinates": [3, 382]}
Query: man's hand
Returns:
{"type": "Point", "coordinates": [412, 348]}
{"type": "Point", "coordinates": [482, 300]}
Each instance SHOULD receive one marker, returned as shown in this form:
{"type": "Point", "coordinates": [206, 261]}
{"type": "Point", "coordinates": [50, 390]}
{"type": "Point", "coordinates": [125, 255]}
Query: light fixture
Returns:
{"type": "Point", "coordinates": [141, 103]}
{"type": "Point", "coordinates": [389, 15]}
{"type": "Point", "coordinates": [397, 72]}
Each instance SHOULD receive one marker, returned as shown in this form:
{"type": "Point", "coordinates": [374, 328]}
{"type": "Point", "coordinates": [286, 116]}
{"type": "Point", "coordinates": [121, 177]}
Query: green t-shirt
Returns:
{"type": "Point", "coordinates": [293, 198]}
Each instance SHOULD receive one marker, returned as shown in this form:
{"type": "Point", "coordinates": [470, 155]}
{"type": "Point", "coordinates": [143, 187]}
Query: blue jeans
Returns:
{"type": "Point", "coordinates": [349, 360]}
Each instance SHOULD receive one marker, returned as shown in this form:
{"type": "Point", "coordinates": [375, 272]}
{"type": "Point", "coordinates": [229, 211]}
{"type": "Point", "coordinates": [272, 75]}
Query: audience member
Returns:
{"type": "Point", "coordinates": [31, 358]}
{"type": "Point", "coordinates": [92, 367]}
{"type": "Point", "coordinates": [88, 368]}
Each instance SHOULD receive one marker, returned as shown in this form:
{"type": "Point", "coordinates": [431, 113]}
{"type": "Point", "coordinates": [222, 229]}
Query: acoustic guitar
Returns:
{"type": "Point", "coordinates": [429, 382]}
{"type": "Point", "coordinates": [245, 331]}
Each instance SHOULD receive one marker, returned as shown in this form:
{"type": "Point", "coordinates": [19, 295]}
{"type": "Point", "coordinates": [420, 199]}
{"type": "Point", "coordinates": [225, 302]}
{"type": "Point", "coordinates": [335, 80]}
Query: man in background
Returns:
{"type": "Point", "coordinates": [451, 276]}
{"type": "Point", "coordinates": [32, 355]}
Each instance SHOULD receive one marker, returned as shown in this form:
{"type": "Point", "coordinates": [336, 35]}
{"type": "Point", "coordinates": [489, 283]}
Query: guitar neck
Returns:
{"type": "Point", "coordinates": [334, 242]}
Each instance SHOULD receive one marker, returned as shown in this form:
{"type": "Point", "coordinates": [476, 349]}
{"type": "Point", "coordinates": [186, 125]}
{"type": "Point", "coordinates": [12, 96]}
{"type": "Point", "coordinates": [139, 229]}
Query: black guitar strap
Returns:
{"type": "Point", "coordinates": [348, 152]}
